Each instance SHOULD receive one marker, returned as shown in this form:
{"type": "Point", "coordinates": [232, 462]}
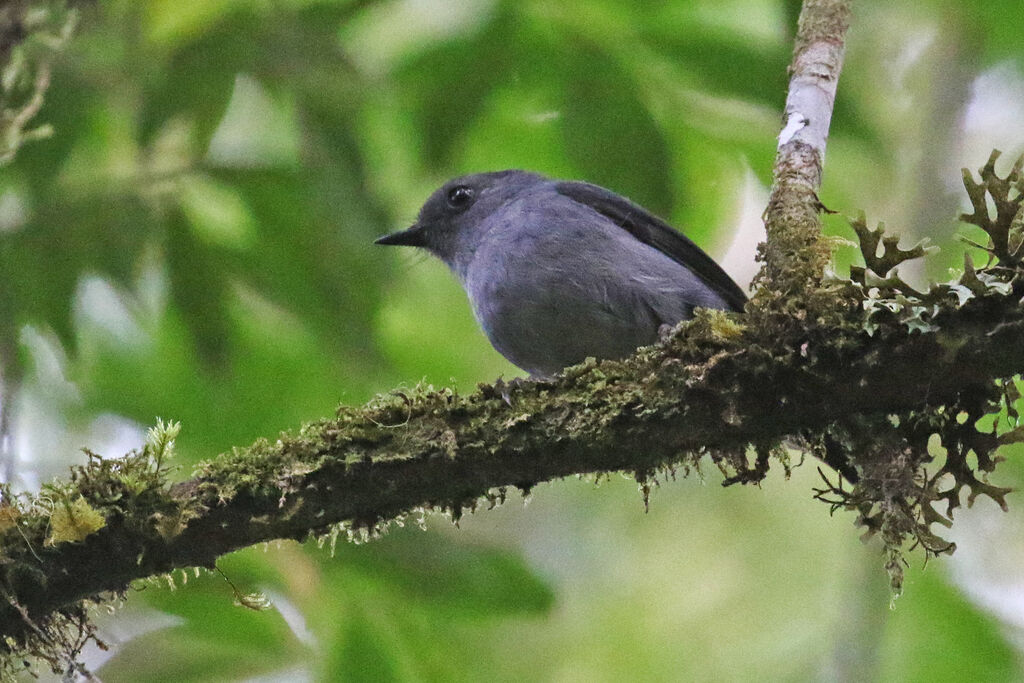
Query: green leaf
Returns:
{"type": "Point", "coordinates": [198, 287]}
{"type": "Point", "coordinates": [394, 609]}
{"type": "Point", "coordinates": [63, 239]}
{"type": "Point", "coordinates": [994, 25]}
{"type": "Point", "coordinates": [364, 650]}
{"type": "Point", "coordinates": [441, 573]}
{"type": "Point", "coordinates": [176, 21]}
{"type": "Point", "coordinates": [215, 639]}
{"type": "Point", "coordinates": [525, 117]}
{"type": "Point", "coordinates": [446, 87]}
{"type": "Point", "coordinates": [315, 229]}
{"type": "Point", "coordinates": [725, 63]}
{"type": "Point", "coordinates": [216, 212]}
{"type": "Point", "coordinates": [611, 136]}
{"type": "Point", "coordinates": [184, 655]}
{"type": "Point", "coordinates": [935, 634]}
{"type": "Point", "coordinates": [197, 83]}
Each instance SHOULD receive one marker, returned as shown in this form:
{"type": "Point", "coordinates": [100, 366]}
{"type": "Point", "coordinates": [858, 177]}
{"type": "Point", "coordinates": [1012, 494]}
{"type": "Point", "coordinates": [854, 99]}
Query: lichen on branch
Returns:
{"type": "Point", "coordinates": [893, 387]}
{"type": "Point", "coordinates": [890, 387]}
{"type": "Point", "coordinates": [900, 485]}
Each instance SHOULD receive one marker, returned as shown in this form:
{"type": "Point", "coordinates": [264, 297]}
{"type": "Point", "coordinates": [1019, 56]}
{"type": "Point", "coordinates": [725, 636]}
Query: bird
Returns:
{"type": "Point", "coordinates": [557, 271]}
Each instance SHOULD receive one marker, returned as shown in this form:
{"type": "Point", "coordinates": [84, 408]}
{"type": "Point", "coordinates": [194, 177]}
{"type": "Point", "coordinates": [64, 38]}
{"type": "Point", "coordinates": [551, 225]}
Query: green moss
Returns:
{"type": "Point", "coordinates": [727, 387]}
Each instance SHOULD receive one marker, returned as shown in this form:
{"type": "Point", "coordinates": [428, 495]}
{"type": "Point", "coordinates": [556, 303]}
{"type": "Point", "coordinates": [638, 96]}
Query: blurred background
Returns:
{"type": "Point", "coordinates": [194, 243]}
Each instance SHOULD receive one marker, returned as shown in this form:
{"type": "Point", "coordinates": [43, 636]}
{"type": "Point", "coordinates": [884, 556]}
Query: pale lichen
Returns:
{"type": "Point", "coordinates": [72, 521]}
{"type": "Point", "coordinates": [865, 388]}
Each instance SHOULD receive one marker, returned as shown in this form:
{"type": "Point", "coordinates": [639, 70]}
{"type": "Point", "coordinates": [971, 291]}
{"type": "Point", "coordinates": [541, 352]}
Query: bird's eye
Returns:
{"type": "Point", "coordinates": [460, 197]}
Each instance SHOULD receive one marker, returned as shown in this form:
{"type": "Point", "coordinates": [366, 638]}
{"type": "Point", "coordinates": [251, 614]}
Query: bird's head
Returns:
{"type": "Point", "coordinates": [450, 222]}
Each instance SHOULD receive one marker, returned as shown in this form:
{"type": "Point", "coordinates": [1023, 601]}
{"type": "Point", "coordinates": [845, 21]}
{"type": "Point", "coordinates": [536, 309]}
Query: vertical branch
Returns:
{"type": "Point", "coordinates": [794, 259]}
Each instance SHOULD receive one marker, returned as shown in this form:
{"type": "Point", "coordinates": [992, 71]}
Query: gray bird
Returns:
{"type": "Point", "coordinates": [557, 271]}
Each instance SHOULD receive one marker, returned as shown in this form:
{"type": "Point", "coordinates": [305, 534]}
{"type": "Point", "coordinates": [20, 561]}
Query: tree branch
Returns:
{"type": "Point", "coordinates": [794, 257]}
{"type": "Point", "coordinates": [664, 407]}
{"type": "Point", "coordinates": [865, 368]}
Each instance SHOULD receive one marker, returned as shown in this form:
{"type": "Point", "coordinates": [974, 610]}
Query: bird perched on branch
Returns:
{"type": "Point", "coordinates": [557, 271]}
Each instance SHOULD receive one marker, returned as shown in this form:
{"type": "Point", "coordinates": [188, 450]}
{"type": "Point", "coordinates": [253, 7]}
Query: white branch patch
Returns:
{"type": "Point", "coordinates": [795, 122]}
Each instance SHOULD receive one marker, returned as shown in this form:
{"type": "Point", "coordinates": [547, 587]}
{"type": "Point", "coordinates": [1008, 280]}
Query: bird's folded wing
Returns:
{"type": "Point", "coordinates": [656, 233]}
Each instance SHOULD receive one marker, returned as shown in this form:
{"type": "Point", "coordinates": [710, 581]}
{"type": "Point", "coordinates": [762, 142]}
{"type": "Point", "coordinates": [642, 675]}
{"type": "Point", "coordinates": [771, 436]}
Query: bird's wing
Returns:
{"type": "Point", "coordinates": [655, 232]}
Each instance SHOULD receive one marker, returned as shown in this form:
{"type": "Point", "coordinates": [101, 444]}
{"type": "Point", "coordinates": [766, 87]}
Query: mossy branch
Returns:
{"type": "Point", "coordinates": [863, 372]}
{"type": "Point", "coordinates": [794, 256]}
{"type": "Point", "coordinates": [717, 389]}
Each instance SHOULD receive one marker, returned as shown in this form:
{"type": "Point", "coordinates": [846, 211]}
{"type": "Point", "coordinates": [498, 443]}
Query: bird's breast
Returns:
{"type": "Point", "coordinates": [544, 314]}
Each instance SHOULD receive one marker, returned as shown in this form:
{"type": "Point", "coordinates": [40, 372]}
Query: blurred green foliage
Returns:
{"type": "Point", "coordinates": [352, 615]}
{"type": "Point", "coordinates": [220, 168]}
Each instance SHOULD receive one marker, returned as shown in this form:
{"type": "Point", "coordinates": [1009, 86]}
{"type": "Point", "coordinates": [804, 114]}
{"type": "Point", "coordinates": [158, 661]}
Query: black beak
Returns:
{"type": "Point", "coordinates": [412, 237]}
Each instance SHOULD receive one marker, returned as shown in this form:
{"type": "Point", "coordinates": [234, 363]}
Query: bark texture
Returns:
{"type": "Point", "coordinates": [863, 371]}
